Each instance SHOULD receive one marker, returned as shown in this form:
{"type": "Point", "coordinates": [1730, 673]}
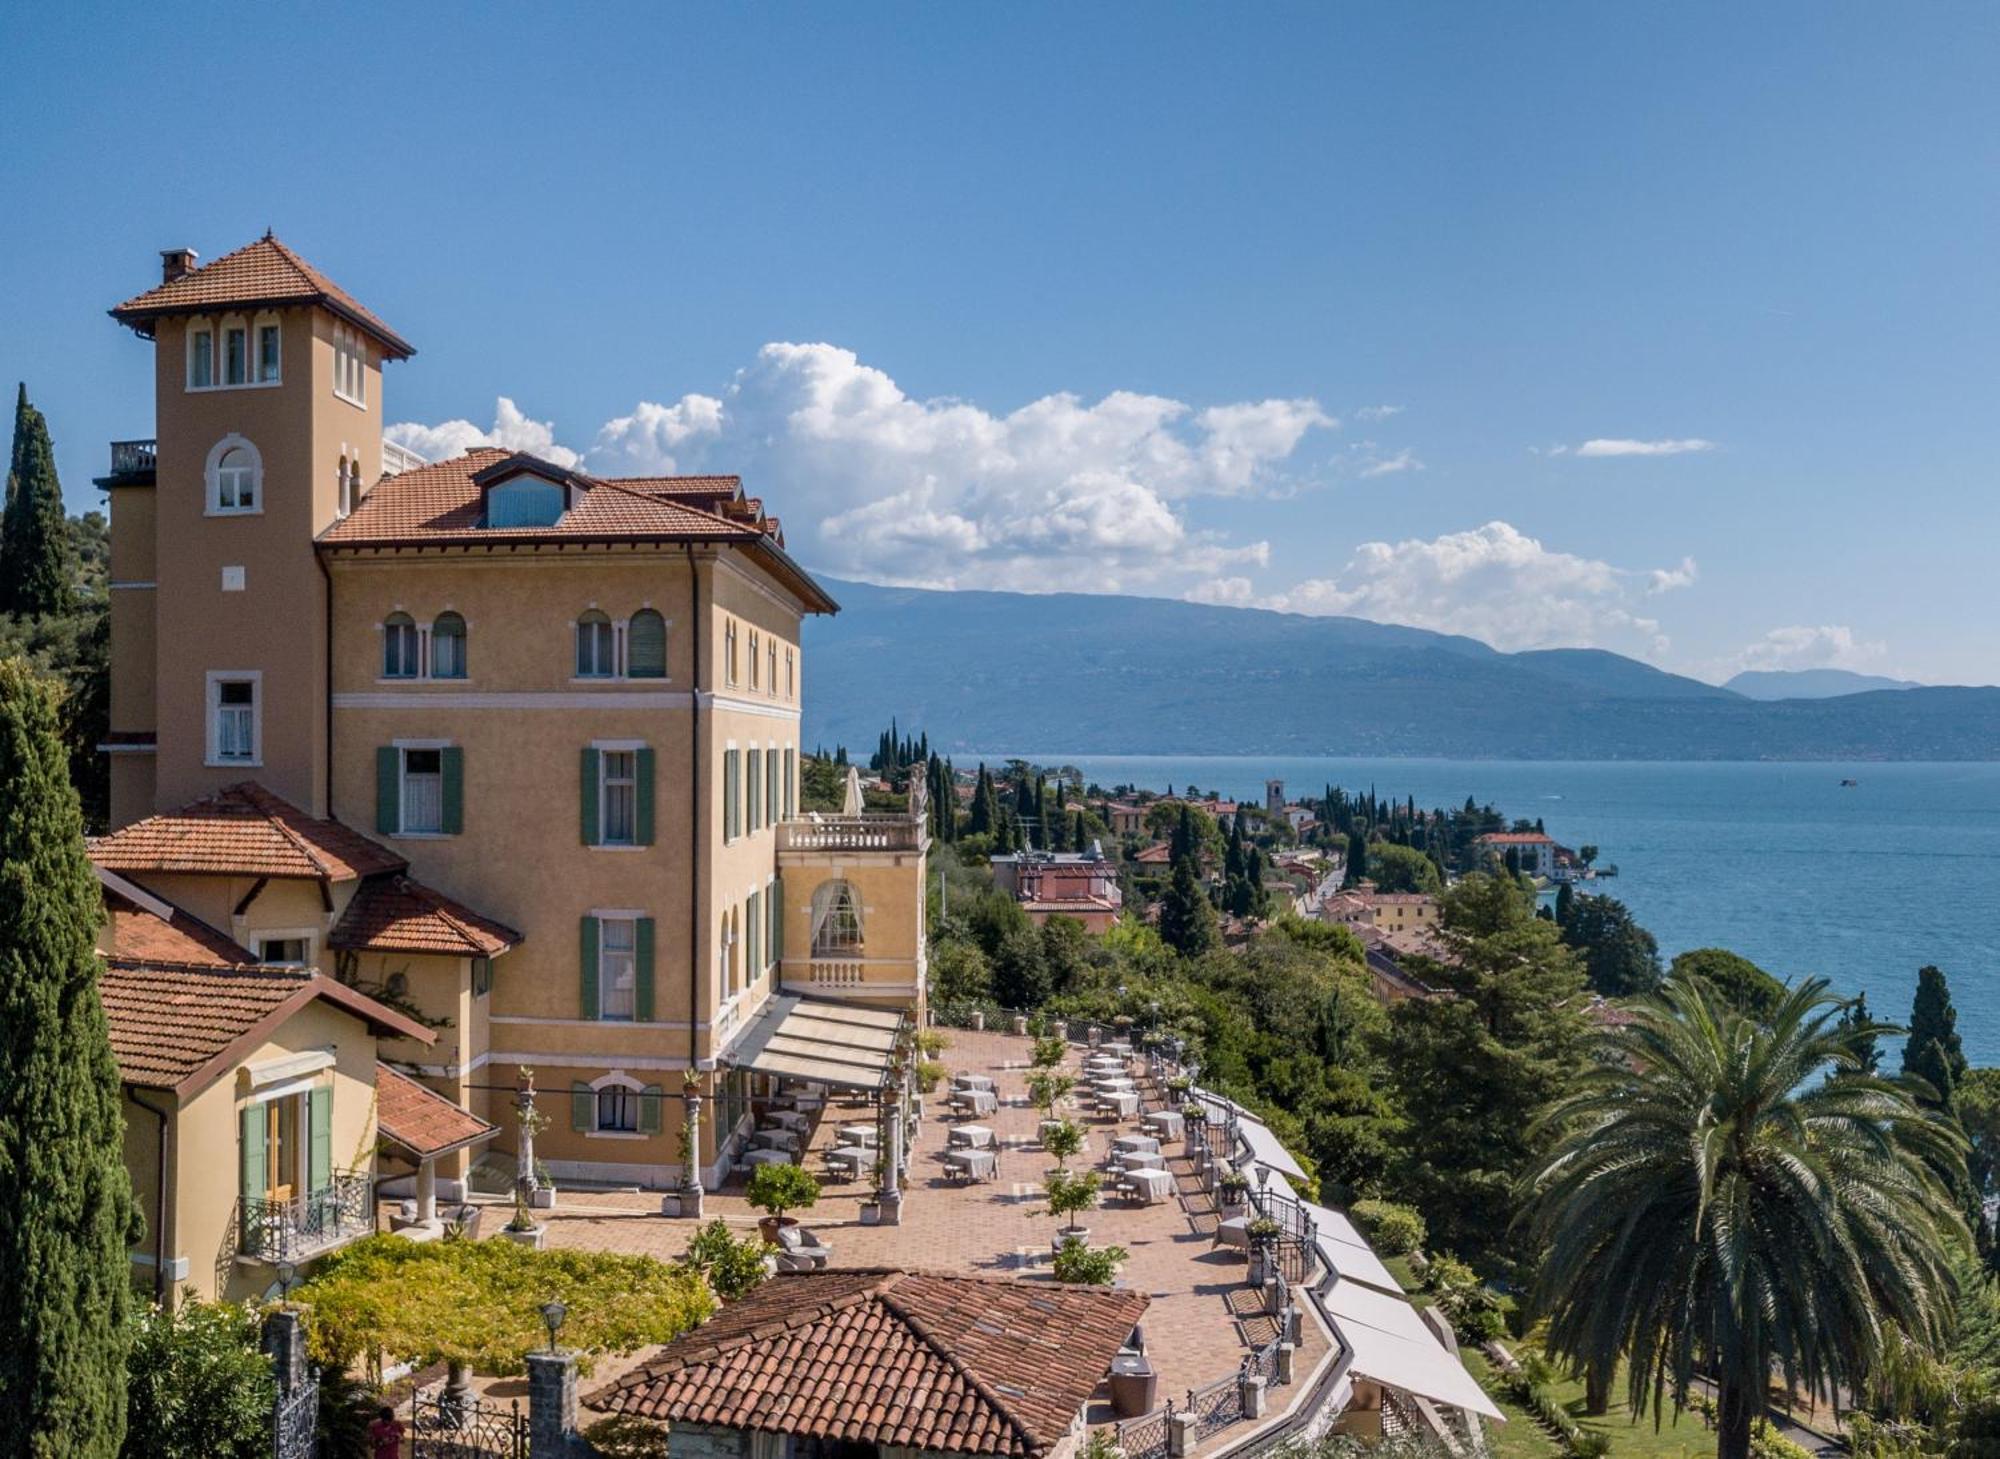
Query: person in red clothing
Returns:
{"type": "Point", "coordinates": [386, 1435]}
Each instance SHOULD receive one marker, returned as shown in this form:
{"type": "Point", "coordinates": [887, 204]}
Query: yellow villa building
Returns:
{"type": "Point", "coordinates": [493, 741]}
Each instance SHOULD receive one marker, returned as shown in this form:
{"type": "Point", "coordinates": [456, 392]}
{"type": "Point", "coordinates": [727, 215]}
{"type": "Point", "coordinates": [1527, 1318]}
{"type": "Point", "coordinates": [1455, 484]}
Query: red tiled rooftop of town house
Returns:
{"type": "Point", "coordinates": [421, 1120]}
{"type": "Point", "coordinates": [396, 914]}
{"type": "Point", "coordinates": [442, 501]}
{"type": "Point", "coordinates": [243, 830]}
{"type": "Point", "coordinates": [1517, 838]}
{"type": "Point", "coordinates": [921, 1360]}
{"type": "Point", "coordinates": [175, 1025]}
{"type": "Point", "coordinates": [262, 273]}
{"type": "Point", "coordinates": [140, 934]}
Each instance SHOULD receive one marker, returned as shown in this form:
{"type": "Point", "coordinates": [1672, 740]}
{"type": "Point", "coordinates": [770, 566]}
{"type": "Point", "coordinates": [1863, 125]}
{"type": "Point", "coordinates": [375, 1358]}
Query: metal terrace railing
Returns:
{"type": "Point", "coordinates": [303, 1227]}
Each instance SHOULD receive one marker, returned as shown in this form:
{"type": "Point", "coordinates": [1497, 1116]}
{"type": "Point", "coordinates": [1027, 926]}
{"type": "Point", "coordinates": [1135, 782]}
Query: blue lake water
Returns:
{"type": "Point", "coordinates": [1775, 861]}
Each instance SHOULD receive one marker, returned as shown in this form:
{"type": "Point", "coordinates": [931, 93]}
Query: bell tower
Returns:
{"type": "Point", "coordinates": [268, 421]}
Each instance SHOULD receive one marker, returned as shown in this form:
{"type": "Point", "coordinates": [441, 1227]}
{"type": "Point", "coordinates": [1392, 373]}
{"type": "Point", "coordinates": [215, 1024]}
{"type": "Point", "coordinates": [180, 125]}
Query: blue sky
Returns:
{"type": "Point", "coordinates": [1318, 306]}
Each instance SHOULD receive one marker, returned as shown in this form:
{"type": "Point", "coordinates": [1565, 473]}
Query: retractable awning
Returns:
{"type": "Point", "coordinates": [837, 1044]}
{"type": "Point", "coordinates": [1392, 1345]}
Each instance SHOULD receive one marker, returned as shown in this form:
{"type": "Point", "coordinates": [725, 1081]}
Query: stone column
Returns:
{"type": "Point", "coordinates": [551, 1405]}
{"type": "Point", "coordinates": [284, 1338]}
{"type": "Point", "coordinates": [1180, 1433]}
{"type": "Point", "coordinates": [1287, 1356]}
{"type": "Point", "coordinates": [891, 1194]}
{"type": "Point", "coordinates": [1252, 1396]}
{"type": "Point", "coordinates": [427, 1191]}
{"type": "Point", "coordinates": [691, 1172]}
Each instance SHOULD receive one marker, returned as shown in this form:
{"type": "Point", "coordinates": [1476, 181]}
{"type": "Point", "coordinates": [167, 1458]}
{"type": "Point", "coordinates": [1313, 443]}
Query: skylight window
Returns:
{"type": "Point", "coordinates": [524, 501]}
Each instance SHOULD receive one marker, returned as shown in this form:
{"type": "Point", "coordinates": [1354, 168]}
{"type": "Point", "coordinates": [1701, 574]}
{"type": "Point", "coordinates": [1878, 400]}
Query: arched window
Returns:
{"type": "Point", "coordinates": [448, 647]}
{"type": "Point", "coordinates": [235, 477]}
{"type": "Point", "coordinates": [646, 646]}
{"type": "Point", "coordinates": [836, 924]}
{"type": "Point", "coordinates": [594, 658]}
{"type": "Point", "coordinates": [399, 646]}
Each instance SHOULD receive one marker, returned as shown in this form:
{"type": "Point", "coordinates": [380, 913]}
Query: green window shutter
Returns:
{"type": "Point", "coordinates": [650, 1099]}
{"type": "Point", "coordinates": [587, 969]}
{"type": "Point", "coordinates": [642, 992]}
{"type": "Point", "coordinates": [388, 790]}
{"type": "Point", "coordinates": [777, 921]}
{"type": "Point", "coordinates": [791, 772]}
{"type": "Point", "coordinates": [645, 765]}
{"type": "Point", "coordinates": [756, 770]}
{"type": "Point", "coordinates": [771, 784]}
{"type": "Point", "coordinates": [319, 1158]}
{"type": "Point", "coordinates": [753, 941]}
{"type": "Point", "coordinates": [729, 795]}
{"type": "Point", "coordinates": [771, 925]}
{"type": "Point", "coordinates": [254, 1180]}
{"type": "Point", "coordinates": [587, 796]}
{"type": "Point", "coordinates": [453, 760]}
{"type": "Point", "coordinates": [582, 1107]}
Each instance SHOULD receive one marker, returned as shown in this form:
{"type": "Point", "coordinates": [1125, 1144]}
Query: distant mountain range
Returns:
{"type": "Point", "coordinates": [1100, 674]}
{"type": "Point", "coordinates": [1810, 683]}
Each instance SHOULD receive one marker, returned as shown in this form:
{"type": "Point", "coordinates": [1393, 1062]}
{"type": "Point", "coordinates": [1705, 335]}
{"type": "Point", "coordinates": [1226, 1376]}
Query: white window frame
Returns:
{"type": "Point", "coordinates": [416, 630]}
{"type": "Point", "coordinates": [729, 650]}
{"type": "Point", "coordinates": [212, 699]}
{"type": "Point", "coordinates": [258, 327]}
{"type": "Point", "coordinates": [308, 936]}
{"type": "Point", "coordinates": [233, 324]}
{"type": "Point", "coordinates": [606, 916]}
{"type": "Point", "coordinates": [616, 1079]}
{"type": "Point", "coordinates": [203, 328]}
{"type": "Point", "coordinates": [427, 636]}
{"type": "Point", "coordinates": [576, 627]}
{"type": "Point", "coordinates": [212, 477]}
{"type": "Point", "coordinates": [350, 367]}
{"type": "Point", "coordinates": [771, 665]}
{"type": "Point", "coordinates": [623, 628]}
{"type": "Point", "coordinates": [605, 750]}
{"type": "Point", "coordinates": [402, 749]}
{"type": "Point", "coordinates": [343, 482]}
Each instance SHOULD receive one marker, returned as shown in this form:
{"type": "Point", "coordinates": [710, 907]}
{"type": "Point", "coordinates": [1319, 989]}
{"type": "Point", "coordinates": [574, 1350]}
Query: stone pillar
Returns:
{"type": "Point", "coordinates": [1287, 1355]}
{"type": "Point", "coordinates": [1252, 1395]}
{"type": "Point", "coordinates": [1020, 1023]}
{"type": "Point", "coordinates": [691, 1171]}
{"type": "Point", "coordinates": [1274, 1293]}
{"type": "Point", "coordinates": [1180, 1433]}
{"type": "Point", "coordinates": [427, 1191]}
{"type": "Point", "coordinates": [891, 1194]}
{"type": "Point", "coordinates": [525, 1181]}
{"type": "Point", "coordinates": [284, 1338]}
{"type": "Point", "coordinates": [978, 1020]}
{"type": "Point", "coordinates": [551, 1405]}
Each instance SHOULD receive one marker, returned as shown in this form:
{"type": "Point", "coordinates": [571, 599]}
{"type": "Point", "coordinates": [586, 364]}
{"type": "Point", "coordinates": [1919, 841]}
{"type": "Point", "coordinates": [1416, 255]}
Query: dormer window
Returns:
{"type": "Point", "coordinates": [524, 501]}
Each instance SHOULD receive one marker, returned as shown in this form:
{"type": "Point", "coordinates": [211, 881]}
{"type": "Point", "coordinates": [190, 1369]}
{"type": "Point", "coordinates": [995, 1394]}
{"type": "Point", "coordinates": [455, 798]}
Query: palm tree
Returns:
{"type": "Point", "coordinates": [1743, 1201]}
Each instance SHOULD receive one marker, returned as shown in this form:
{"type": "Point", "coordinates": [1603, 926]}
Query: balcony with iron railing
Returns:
{"type": "Point", "coordinates": [132, 463]}
{"type": "Point", "coordinates": [302, 1227]}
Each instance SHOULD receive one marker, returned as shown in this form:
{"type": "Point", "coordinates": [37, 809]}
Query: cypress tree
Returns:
{"type": "Point", "coordinates": [1187, 921]}
{"type": "Point", "coordinates": [985, 806]}
{"type": "Point", "coordinates": [67, 1217]}
{"type": "Point", "coordinates": [1565, 903]}
{"type": "Point", "coordinates": [37, 574]}
{"type": "Point", "coordinates": [1933, 1051]}
{"type": "Point", "coordinates": [1866, 1047]}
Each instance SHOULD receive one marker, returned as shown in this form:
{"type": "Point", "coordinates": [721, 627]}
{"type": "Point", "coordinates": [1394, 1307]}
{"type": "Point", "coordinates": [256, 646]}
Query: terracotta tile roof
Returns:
{"type": "Point", "coordinates": [728, 487]}
{"type": "Point", "coordinates": [139, 934]}
{"type": "Point", "coordinates": [243, 830]}
{"type": "Point", "coordinates": [959, 1364]}
{"type": "Point", "coordinates": [264, 272]}
{"type": "Point", "coordinates": [180, 1026]}
{"type": "Point", "coordinates": [442, 502]}
{"type": "Point", "coordinates": [395, 914]}
{"type": "Point", "coordinates": [1516, 838]}
{"type": "Point", "coordinates": [421, 1120]}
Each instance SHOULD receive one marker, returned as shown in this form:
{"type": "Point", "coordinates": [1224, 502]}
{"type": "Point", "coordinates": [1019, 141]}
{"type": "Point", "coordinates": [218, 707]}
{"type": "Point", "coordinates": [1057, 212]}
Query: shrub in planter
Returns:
{"type": "Point", "coordinates": [778, 1189]}
{"type": "Point", "coordinates": [929, 1074]}
{"type": "Point", "coordinates": [1179, 1085]}
{"type": "Point", "coordinates": [1234, 1188]}
{"type": "Point", "coordinates": [1195, 1112]}
{"type": "Point", "coordinates": [932, 1042]}
{"type": "Point", "coordinates": [1395, 1230]}
{"type": "Point", "coordinates": [1049, 1052]}
{"type": "Point", "coordinates": [626, 1436]}
{"type": "Point", "coordinates": [1071, 1194]}
{"type": "Point", "coordinates": [730, 1266]}
{"type": "Point", "coordinates": [1091, 1266]}
{"type": "Point", "coordinates": [1264, 1229]}
{"type": "Point", "coordinates": [1064, 1141]}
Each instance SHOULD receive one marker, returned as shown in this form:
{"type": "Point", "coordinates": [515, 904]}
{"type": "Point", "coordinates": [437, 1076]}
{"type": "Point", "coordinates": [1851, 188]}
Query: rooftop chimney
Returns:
{"type": "Point", "coordinates": [175, 262]}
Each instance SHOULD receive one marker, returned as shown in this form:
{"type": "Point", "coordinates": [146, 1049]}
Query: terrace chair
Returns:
{"type": "Point", "coordinates": [799, 1250]}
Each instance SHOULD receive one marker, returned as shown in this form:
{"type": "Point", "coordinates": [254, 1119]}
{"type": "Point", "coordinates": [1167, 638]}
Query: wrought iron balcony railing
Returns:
{"type": "Point", "coordinates": [306, 1226]}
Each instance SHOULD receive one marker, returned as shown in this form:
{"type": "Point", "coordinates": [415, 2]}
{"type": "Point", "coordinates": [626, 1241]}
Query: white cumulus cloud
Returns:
{"type": "Point", "coordinates": [1494, 583]}
{"type": "Point", "coordinates": [1805, 646]}
{"type": "Point", "coordinates": [1225, 592]}
{"type": "Point", "coordinates": [1620, 446]}
{"type": "Point", "coordinates": [511, 429]}
{"type": "Point", "coordinates": [1062, 492]}
{"type": "Point", "coordinates": [1403, 460]}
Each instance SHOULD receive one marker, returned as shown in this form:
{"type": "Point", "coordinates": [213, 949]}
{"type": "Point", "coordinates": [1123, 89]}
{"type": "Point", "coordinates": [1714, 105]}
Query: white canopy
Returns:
{"type": "Point", "coordinates": [1392, 1345]}
{"type": "Point", "coordinates": [838, 1044]}
{"type": "Point", "coordinates": [1345, 1250]}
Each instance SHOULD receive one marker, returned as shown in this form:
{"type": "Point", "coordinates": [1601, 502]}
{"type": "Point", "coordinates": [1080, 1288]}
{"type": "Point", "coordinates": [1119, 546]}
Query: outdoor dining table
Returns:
{"type": "Point", "coordinates": [786, 1119]}
{"type": "Point", "coordinates": [972, 1081]}
{"type": "Point", "coordinates": [975, 1102]}
{"type": "Point", "coordinates": [783, 1140]}
{"type": "Point", "coordinates": [852, 1159]}
{"type": "Point", "coordinates": [856, 1135]}
{"type": "Point", "coordinates": [1165, 1123]}
{"type": "Point", "coordinates": [1144, 1143]}
{"type": "Point", "coordinates": [766, 1157]}
{"type": "Point", "coordinates": [1113, 1084]}
{"type": "Point", "coordinates": [1124, 1103]}
{"type": "Point", "coordinates": [971, 1164]}
{"type": "Point", "coordinates": [1233, 1232]}
{"type": "Point", "coordinates": [972, 1137]}
{"type": "Point", "coordinates": [1142, 1160]}
{"type": "Point", "coordinates": [1151, 1186]}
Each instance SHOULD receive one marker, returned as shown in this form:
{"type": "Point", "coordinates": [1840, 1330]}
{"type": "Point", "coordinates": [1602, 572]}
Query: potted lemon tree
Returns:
{"type": "Point", "coordinates": [776, 1189]}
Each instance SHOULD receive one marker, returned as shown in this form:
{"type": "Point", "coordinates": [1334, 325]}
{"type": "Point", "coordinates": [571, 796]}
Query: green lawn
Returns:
{"type": "Point", "coordinates": [1682, 1439]}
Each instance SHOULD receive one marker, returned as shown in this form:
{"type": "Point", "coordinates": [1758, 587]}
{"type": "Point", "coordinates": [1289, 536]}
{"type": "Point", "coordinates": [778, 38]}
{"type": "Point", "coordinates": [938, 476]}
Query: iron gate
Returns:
{"type": "Point", "coordinates": [295, 1420]}
{"type": "Point", "coordinates": [443, 1429]}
